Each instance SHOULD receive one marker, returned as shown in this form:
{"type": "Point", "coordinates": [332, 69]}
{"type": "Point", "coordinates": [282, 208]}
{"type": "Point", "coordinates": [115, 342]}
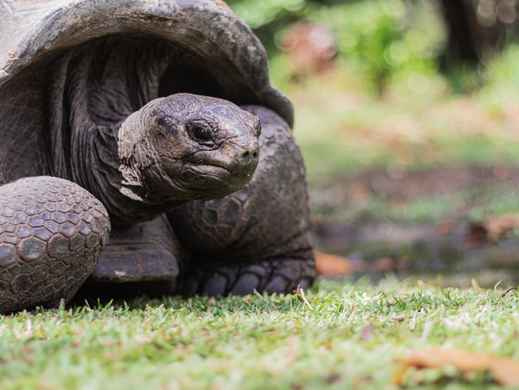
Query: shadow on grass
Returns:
{"type": "Point", "coordinates": [138, 296]}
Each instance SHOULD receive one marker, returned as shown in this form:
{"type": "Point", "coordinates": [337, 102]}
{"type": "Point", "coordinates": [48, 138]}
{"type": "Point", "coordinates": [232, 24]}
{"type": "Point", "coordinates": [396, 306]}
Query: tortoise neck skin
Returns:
{"type": "Point", "coordinates": [139, 153]}
{"type": "Point", "coordinates": [98, 169]}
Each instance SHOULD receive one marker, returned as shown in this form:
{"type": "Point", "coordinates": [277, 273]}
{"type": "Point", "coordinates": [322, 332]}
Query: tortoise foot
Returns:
{"type": "Point", "coordinates": [51, 234]}
{"type": "Point", "coordinates": [279, 275]}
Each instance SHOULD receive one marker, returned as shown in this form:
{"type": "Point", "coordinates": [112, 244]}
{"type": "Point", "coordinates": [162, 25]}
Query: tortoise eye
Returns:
{"type": "Point", "coordinates": [200, 132]}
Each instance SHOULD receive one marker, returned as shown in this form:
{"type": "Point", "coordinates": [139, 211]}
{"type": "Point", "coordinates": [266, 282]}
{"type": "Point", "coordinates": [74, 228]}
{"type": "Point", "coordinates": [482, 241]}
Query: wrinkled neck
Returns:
{"type": "Point", "coordinates": [143, 178]}
{"type": "Point", "coordinates": [127, 198]}
{"type": "Point", "coordinates": [94, 91]}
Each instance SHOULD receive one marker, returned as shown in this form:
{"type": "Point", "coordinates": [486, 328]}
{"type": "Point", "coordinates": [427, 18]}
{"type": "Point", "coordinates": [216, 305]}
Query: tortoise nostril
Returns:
{"type": "Point", "coordinates": [249, 156]}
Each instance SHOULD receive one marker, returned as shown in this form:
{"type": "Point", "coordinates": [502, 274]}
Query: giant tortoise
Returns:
{"type": "Point", "coordinates": [143, 145]}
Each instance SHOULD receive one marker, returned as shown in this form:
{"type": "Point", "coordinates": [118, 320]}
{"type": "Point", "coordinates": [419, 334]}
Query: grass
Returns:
{"type": "Point", "coordinates": [344, 336]}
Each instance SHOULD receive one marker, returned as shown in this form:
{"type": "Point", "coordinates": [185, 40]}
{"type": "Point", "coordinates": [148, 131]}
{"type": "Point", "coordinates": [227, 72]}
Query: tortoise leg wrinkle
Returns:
{"type": "Point", "coordinates": [51, 234]}
{"type": "Point", "coordinates": [256, 239]}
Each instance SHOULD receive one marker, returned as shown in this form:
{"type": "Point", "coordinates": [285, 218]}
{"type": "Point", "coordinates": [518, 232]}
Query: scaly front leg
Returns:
{"type": "Point", "coordinates": [51, 234]}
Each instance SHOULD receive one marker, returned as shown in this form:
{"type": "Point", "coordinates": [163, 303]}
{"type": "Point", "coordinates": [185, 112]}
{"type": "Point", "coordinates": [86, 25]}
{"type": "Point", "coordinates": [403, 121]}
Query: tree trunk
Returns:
{"type": "Point", "coordinates": [463, 47]}
{"type": "Point", "coordinates": [476, 30]}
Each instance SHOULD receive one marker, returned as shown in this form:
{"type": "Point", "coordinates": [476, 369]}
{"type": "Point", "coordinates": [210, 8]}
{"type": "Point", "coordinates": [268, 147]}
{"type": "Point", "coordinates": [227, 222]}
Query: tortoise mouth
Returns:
{"type": "Point", "coordinates": [208, 170]}
{"type": "Point", "coordinates": [216, 172]}
{"type": "Point", "coordinates": [212, 181]}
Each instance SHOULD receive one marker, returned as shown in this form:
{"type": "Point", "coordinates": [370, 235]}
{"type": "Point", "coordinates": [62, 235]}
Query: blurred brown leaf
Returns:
{"type": "Point", "coordinates": [493, 229]}
{"type": "Point", "coordinates": [311, 48]}
{"type": "Point", "coordinates": [504, 371]}
{"type": "Point", "coordinates": [332, 266]}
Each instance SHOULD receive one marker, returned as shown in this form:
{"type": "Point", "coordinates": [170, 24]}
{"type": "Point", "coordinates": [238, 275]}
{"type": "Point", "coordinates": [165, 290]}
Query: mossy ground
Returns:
{"type": "Point", "coordinates": [342, 335]}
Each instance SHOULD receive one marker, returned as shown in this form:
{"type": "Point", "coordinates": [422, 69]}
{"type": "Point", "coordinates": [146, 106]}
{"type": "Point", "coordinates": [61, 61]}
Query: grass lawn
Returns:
{"type": "Point", "coordinates": [344, 336]}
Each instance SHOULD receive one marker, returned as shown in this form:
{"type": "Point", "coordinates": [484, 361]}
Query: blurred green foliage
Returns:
{"type": "Point", "coordinates": [501, 79]}
{"type": "Point", "coordinates": [260, 13]}
{"type": "Point", "coordinates": [380, 38]}
{"type": "Point", "coordinates": [383, 38]}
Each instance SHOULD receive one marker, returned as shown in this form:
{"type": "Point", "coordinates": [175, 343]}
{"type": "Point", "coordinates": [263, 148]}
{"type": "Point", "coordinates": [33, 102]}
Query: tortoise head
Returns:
{"type": "Point", "coordinates": [185, 147]}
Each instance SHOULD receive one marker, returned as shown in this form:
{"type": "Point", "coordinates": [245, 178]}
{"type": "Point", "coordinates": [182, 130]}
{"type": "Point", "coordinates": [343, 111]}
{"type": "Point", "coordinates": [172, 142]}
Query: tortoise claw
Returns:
{"type": "Point", "coordinates": [272, 276]}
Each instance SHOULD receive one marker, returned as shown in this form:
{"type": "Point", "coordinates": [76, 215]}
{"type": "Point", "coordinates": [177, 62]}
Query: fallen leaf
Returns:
{"type": "Point", "coordinates": [504, 371]}
{"type": "Point", "coordinates": [332, 266]}
{"type": "Point", "coordinates": [493, 229]}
